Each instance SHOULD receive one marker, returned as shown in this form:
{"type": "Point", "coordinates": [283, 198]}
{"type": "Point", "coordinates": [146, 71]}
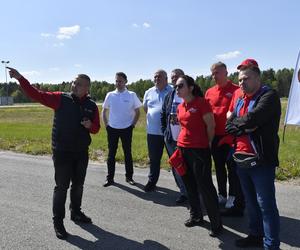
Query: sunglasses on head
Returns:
{"type": "Point", "coordinates": [179, 86]}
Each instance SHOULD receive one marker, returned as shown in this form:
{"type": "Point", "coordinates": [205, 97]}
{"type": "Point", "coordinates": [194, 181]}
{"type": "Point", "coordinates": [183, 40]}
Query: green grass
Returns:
{"type": "Point", "coordinates": [28, 130]}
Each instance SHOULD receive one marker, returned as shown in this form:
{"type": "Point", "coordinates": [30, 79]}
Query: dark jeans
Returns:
{"type": "Point", "coordinates": [259, 190]}
{"type": "Point", "coordinates": [171, 146]}
{"type": "Point", "coordinates": [222, 157]}
{"type": "Point", "coordinates": [198, 180]}
{"type": "Point", "coordinates": [68, 167]}
{"type": "Point", "coordinates": [113, 136]}
{"type": "Point", "coordinates": [155, 149]}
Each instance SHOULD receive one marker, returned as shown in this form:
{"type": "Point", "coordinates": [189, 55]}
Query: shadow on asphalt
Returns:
{"type": "Point", "coordinates": [289, 231]}
{"type": "Point", "coordinates": [161, 195]}
{"type": "Point", "coordinates": [106, 240]}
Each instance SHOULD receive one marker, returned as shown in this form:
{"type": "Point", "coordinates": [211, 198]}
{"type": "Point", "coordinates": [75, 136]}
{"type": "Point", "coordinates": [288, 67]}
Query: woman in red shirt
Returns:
{"type": "Point", "coordinates": [197, 131]}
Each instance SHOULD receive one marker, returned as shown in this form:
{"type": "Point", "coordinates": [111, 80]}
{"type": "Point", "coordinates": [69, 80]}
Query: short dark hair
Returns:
{"type": "Point", "coordinates": [191, 82]}
{"type": "Point", "coordinates": [85, 77]}
{"type": "Point", "coordinates": [218, 65]}
{"type": "Point", "coordinates": [122, 74]}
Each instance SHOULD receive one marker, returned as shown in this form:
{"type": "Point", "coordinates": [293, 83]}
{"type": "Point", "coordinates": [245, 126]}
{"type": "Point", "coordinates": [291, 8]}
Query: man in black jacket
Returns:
{"type": "Point", "coordinates": [75, 117]}
{"type": "Point", "coordinates": [254, 123]}
{"type": "Point", "coordinates": [170, 128]}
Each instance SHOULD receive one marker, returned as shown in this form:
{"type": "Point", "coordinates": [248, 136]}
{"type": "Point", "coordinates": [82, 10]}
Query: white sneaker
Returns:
{"type": "Point", "coordinates": [221, 199]}
{"type": "Point", "coordinates": [230, 201]}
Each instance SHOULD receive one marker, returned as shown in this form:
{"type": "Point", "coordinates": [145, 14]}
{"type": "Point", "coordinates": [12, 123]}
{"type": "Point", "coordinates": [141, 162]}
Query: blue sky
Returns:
{"type": "Point", "coordinates": [53, 41]}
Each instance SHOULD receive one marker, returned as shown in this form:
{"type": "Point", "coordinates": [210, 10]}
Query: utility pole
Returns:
{"type": "Point", "coordinates": [5, 65]}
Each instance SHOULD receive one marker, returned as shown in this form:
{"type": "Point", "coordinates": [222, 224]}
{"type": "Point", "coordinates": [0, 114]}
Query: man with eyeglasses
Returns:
{"type": "Point", "coordinates": [75, 117]}
{"type": "Point", "coordinates": [123, 107]}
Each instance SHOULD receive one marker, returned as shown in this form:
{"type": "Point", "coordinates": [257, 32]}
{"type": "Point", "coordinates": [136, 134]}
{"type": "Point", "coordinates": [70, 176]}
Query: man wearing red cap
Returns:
{"type": "Point", "coordinates": [219, 98]}
{"type": "Point", "coordinates": [254, 123]}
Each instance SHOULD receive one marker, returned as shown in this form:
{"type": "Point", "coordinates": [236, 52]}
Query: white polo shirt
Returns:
{"type": "Point", "coordinates": [121, 107]}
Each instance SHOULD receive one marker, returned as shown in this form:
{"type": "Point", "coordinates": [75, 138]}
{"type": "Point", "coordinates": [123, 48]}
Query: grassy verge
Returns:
{"type": "Point", "coordinates": [28, 130]}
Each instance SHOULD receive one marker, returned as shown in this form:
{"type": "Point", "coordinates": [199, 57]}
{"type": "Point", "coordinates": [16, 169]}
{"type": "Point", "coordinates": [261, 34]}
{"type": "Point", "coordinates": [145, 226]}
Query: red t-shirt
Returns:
{"type": "Point", "coordinates": [193, 129]}
{"type": "Point", "coordinates": [219, 99]}
{"type": "Point", "coordinates": [242, 142]}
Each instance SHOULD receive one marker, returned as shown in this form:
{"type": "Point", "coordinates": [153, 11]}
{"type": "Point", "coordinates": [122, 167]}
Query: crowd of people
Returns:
{"type": "Point", "coordinates": [236, 125]}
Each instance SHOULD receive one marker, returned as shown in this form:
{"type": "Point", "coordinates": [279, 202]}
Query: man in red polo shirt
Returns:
{"type": "Point", "coordinates": [219, 98]}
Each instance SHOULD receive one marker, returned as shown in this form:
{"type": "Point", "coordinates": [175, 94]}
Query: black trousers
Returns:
{"type": "Point", "coordinates": [113, 136]}
{"type": "Point", "coordinates": [68, 167]}
{"type": "Point", "coordinates": [222, 159]}
{"type": "Point", "coordinates": [156, 146]}
{"type": "Point", "coordinates": [198, 180]}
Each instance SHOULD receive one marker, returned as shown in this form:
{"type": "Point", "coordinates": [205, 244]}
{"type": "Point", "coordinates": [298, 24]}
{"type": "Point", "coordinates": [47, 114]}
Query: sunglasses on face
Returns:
{"type": "Point", "coordinates": [179, 86]}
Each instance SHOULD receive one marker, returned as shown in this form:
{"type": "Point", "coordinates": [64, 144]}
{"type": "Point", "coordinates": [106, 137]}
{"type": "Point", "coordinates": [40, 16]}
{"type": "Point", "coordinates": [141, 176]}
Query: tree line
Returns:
{"type": "Point", "coordinates": [279, 80]}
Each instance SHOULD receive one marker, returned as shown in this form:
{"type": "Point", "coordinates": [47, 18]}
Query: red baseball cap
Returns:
{"type": "Point", "coordinates": [248, 62]}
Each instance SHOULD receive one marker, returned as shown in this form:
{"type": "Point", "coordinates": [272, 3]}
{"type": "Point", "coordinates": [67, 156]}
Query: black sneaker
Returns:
{"type": "Point", "coordinates": [108, 183]}
{"type": "Point", "coordinates": [130, 181]}
{"type": "Point", "coordinates": [60, 230]}
{"type": "Point", "coordinates": [149, 187]}
{"type": "Point", "coordinates": [181, 199]}
{"type": "Point", "coordinates": [250, 241]}
{"type": "Point", "coordinates": [80, 217]}
{"type": "Point", "coordinates": [192, 222]}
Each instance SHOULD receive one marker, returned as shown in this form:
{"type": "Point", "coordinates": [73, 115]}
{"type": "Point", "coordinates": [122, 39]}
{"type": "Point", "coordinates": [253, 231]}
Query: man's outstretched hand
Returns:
{"type": "Point", "coordinates": [13, 73]}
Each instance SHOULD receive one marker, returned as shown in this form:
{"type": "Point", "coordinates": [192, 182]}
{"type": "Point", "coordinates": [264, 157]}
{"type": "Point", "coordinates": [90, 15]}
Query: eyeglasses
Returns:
{"type": "Point", "coordinates": [179, 86]}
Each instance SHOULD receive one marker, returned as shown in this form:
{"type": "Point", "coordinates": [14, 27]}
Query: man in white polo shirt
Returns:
{"type": "Point", "coordinates": [123, 107]}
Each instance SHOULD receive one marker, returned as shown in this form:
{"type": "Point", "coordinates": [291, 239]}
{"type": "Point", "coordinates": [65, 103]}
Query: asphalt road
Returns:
{"type": "Point", "coordinates": [124, 217]}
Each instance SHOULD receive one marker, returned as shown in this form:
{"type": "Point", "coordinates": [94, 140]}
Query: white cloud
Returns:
{"type": "Point", "coordinates": [31, 73]}
{"type": "Point", "coordinates": [135, 25]}
{"type": "Point", "coordinates": [87, 28]}
{"type": "Point", "coordinates": [63, 37]}
{"type": "Point", "coordinates": [46, 35]}
{"type": "Point", "coordinates": [67, 32]}
{"type": "Point", "coordinates": [228, 55]}
{"type": "Point", "coordinates": [77, 65]}
{"type": "Point", "coordinates": [60, 44]}
{"type": "Point", "coordinates": [146, 25]}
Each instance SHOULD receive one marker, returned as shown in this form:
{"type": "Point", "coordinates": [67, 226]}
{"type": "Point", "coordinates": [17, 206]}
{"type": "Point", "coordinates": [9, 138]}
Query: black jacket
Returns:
{"type": "Point", "coordinates": [265, 117]}
{"type": "Point", "coordinates": [165, 116]}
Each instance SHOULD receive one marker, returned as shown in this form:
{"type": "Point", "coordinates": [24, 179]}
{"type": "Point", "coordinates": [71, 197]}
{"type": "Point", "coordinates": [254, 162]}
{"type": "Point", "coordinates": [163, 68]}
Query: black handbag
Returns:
{"type": "Point", "coordinates": [244, 160]}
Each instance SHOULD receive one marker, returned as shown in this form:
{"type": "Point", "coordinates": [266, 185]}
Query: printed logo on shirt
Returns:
{"type": "Point", "coordinates": [88, 110]}
{"type": "Point", "coordinates": [229, 95]}
{"type": "Point", "coordinates": [193, 110]}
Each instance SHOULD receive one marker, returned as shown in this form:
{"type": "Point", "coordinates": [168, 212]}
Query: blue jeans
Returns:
{"type": "Point", "coordinates": [171, 146]}
{"type": "Point", "coordinates": [259, 190]}
{"type": "Point", "coordinates": [155, 149]}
